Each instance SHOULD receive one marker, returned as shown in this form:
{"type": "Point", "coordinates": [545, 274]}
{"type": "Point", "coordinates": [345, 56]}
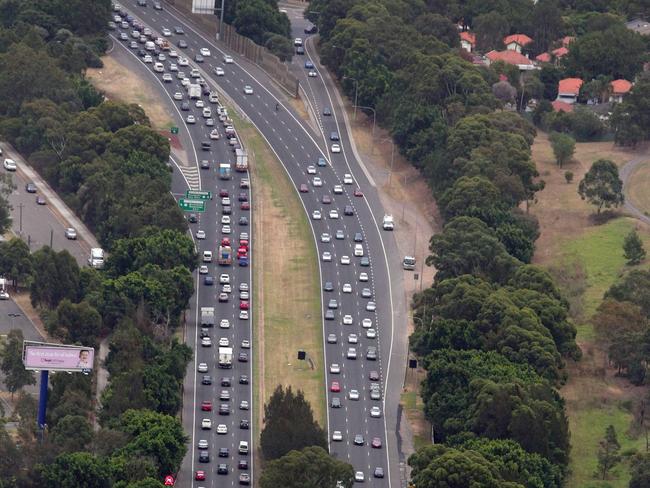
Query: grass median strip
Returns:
{"type": "Point", "coordinates": [287, 311]}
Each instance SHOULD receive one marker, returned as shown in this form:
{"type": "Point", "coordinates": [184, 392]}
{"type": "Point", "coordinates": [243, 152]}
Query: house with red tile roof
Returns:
{"type": "Point", "coordinates": [559, 106]}
{"type": "Point", "coordinates": [569, 89]}
{"type": "Point", "coordinates": [559, 52]}
{"type": "Point", "coordinates": [543, 58]}
{"type": "Point", "coordinates": [516, 42]}
{"type": "Point", "coordinates": [511, 57]}
{"type": "Point", "coordinates": [467, 41]}
{"type": "Point", "coordinates": [619, 88]}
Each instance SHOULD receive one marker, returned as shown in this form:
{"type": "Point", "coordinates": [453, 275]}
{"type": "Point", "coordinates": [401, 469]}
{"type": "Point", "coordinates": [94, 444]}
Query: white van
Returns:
{"type": "Point", "coordinates": [149, 46]}
{"type": "Point", "coordinates": [207, 256]}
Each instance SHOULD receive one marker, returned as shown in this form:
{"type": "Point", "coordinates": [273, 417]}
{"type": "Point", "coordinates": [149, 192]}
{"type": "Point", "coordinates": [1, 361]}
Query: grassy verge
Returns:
{"type": "Point", "coordinates": [638, 187]}
{"type": "Point", "coordinates": [286, 280]}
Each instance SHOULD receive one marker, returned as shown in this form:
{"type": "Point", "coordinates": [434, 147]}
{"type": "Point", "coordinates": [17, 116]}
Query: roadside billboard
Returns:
{"type": "Point", "coordinates": [57, 357]}
{"type": "Point", "coordinates": [203, 6]}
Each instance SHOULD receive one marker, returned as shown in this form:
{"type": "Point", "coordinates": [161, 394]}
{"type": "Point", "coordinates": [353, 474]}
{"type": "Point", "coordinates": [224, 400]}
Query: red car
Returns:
{"type": "Point", "coordinates": [199, 475]}
{"type": "Point", "coordinates": [376, 443]}
{"type": "Point", "coordinates": [243, 243]}
{"type": "Point", "coordinates": [223, 193]}
{"type": "Point", "coordinates": [242, 252]}
{"type": "Point", "coordinates": [206, 406]}
{"type": "Point", "coordinates": [335, 387]}
{"type": "Point", "coordinates": [245, 206]}
{"type": "Point", "coordinates": [225, 241]}
{"type": "Point", "coordinates": [304, 188]}
{"type": "Point", "coordinates": [244, 306]}
{"type": "Point", "coordinates": [358, 192]}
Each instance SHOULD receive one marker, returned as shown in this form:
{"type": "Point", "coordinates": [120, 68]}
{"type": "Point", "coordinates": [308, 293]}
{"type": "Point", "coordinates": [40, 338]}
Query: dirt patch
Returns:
{"type": "Point", "coordinates": [119, 83]}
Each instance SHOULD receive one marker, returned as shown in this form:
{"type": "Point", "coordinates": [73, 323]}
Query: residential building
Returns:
{"type": "Point", "coordinates": [559, 106]}
{"type": "Point", "coordinates": [467, 41]}
{"type": "Point", "coordinates": [543, 58]}
{"type": "Point", "coordinates": [559, 52]}
{"type": "Point", "coordinates": [516, 42]}
{"type": "Point", "coordinates": [511, 57]}
{"type": "Point", "coordinates": [619, 88]}
{"type": "Point", "coordinates": [569, 89]}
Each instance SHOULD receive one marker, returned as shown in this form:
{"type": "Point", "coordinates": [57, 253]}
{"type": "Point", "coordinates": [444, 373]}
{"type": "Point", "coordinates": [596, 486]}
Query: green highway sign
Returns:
{"type": "Point", "coordinates": [198, 194]}
{"type": "Point", "coordinates": [191, 205]}
{"type": "Point", "coordinates": [174, 130]}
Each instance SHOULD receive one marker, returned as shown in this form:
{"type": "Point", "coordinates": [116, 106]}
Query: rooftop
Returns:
{"type": "Point", "coordinates": [543, 58]}
{"type": "Point", "coordinates": [570, 85]}
{"type": "Point", "coordinates": [521, 39]}
{"type": "Point", "coordinates": [510, 57]}
{"type": "Point", "coordinates": [620, 87]}
{"type": "Point", "coordinates": [559, 106]}
{"type": "Point", "coordinates": [560, 51]}
{"type": "Point", "coordinates": [469, 37]}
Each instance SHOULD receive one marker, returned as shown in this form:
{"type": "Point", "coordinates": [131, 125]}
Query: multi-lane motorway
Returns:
{"type": "Point", "coordinates": [356, 327]}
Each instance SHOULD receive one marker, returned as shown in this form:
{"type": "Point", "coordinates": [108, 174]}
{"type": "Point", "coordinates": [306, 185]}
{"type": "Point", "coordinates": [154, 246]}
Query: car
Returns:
{"type": "Point", "coordinates": [225, 201]}
{"type": "Point", "coordinates": [353, 339]}
{"type": "Point", "coordinates": [242, 464]}
{"type": "Point", "coordinates": [179, 96]}
{"type": "Point", "coordinates": [219, 71]}
{"type": "Point", "coordinates": [339, 234]}
{"type": "Point", "coordinates": [333, 304]}
{"type": "Point", "coordinates": [223, 297]}
{"type": "Point", "coordinates": [365, 261]}
{"type": "Point", "coordinates": [351, 353]}
{"type": "Point", "coordinates": [345, 259]}
{"type": "Point", "coordinates": [179, 30]}
{"type": "Point", "coordinates": [347, 320]}
{"type": "Point", "coordinates": [371, 306]}
{"type": "Point", "coordinates": [297, 42]}
{"type": "Point", "coordinates": [359, 477]}
{"type": "Point", "coordinates": [9, 164]}
{"type": "Point", "coordinates": [30, 187]}
{"type": "Point", "coordinates": [316, 215]}
{"type": "Point", "coordinates": [366, 293]}
{"type": "Point", "coordinates": [311, 170]}
{"type": "Point", "coordinates": [209, 122]}
{"type": "Point", "coordinates": [204, 332]}
{"type": "Point", "coordinates": [206, 380]}
{"type": "Point", "coordinates": [371, 334]}
{"type": "Point", "coordinates": [225, 381]}
{"type": "Point", "coordinates": [243, 379]}
{"type": "Point", "coordinates": [327, 111]}
{"type": "Point", "coordinates": [329, 315]}
{"type": "Point", "coordinates": [326, 256]}
{"type": "Point", "coordinates": [124, 36]}
{"type": "Point", "coordinates": [71, 233]}
{"type": "Point", "coordinates": [245, 344]}
{"type": "Point", "coordinates": [328, 286]}
{"type": "Point", "coordinates": [363, 277]}
{"type": "Point", "coordinates": [334, 214]}
{"type": "Point", "coordinates": [245, 206]}
{"type": "Point", "coordinates": [166, 32]}
{"type": "Point", "coordinates": [199, 475]}
{"type": "Point", "coordinates": [244, 424]}
{"type": "Point", "coordinates": [336, 402]}
{"type": "Point", "coordinates": [358, 192]}
{"type": "Point", "coordinates": [317, 182]}
{"type": "Point", "coordinates": [243, 314]}
{"type": "Point", "coordinates": [243, 295]}
{"type": "Point", "coordinates": [225, 229]}
{"type": "Point", "coordinates": [248, 90]}
{"type": "Point", "coordinates": [335, 387]}
{"type": "Point", "coordinates": [222, 469]}
{"type": "Point", "coordinates": [225, 219]}
{"type": "Point", "coordinates": [243, 405]}
{"type": "Point", "coordinates": [376, 443]}
{"type": "Point", "coordinates": [185, 106]}
{"type": "Point", "coordinates": [224, 409]}
{"type": "Point", "coordinates": [347, 288]}
{"type": "Point", "coordinates": [206, 342]}
{"type": "Point", "coordinates": [190, 119]}
{"type": "Point", "coordinates": [198, 58]}
{"type": "Point", "coordinates": [309, 65]}
{"type": "Point", "coordinates": [202, 444]}
{"type": "Point", "coordinates": [183, 62]}
{"type": "Point", "coordinates": [331, 338]}
{"type": "Point", "coordinates": [204, 457]}
{"type": "Point", "coordinates": [228, 59]}
{"type": "Point", "coordinates": [222, 429]}
{"type": "Point", "coordinates": [337, 436]}
{"type": "Point", "coordinates": [224, 342]}
{"type": "Point", "coordinates": [326, 199]}
{"type": "Point", "coordinates": [353, 395]}
{"type": "Point", "coordinates": [358, 237]}
{"type": "Point", "coordinates": [300, 50]}
{"type": "Point", "coordinates": [208, 280]}
{"type": "Point", "coordinates": [40, 200]}
{"type": "Point", "coordinates": [375, 412]}
{"type": "Point", "coordinates": [359, 440]}
{"type": "Point", "coordinates": [202, 368]}
{"type": "Point", "coordinates": [325, 237]}
{"type": "Point", "coordinates": [335, 368]}
{"type": "Point", "coordinates": [243, 357]}
{"type": "Point", "coordinates": [206, 424]}
{"type": "Point", "coordinates": [338, 189]}
{"type": "Point", "coordinates": [204, 51]}
{"type": "Point", "coordinates": [366, 323]}
{"type": "Point", "coordinates": [371, 353]}
{"type": "Point", "coordinates": [336, 148]}
{"type": "Point", "coordinates": [379, 472]}
{"type": "Point", "coordinates": [348, 210]}
{"type": "Point", "coordinates": [347, 179]}
{"type": "Point", "coordinates": [373, 375]}
{"type": "Point", "coordinates": [148, 59]}
{"type": "Point", "coordinates": [192, 219]}
{"type": "Point", "coordinates": [224, 278]}
{"type": "Point", "coordinates": [243, 286]}
{"type": "Point", "coordinates": [244, 305]}
{"type": "Point", "coordinates": [200, 234]}
{"type": "Point", "coordinates": [244, 479]}
{"type": "Point", "coordinates": [206, 406]}
{"type": "Point", "coordinates": [173, 54]}
{"type": "Point", "coordinates": [321, 162]}
{"type": "Point", "coordinates": [199, 104]}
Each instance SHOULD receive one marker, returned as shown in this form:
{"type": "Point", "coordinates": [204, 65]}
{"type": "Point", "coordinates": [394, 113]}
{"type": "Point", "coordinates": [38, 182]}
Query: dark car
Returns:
{"type": "Point", "coordinates": [309, 65]}
{"type": "Point", "coordinates": [379, 472]}
{"type": "Point", "coordinates": [204, 457]}
{"type": "Point", "coordinates": [192, 219]}
{"type": "Point", "coordinates": [205, 164]}
{"type": "Point", "coordinates": [243, 357]}
{"type": "Point", "coordinates": [225, 381]}
{"type": "Point", "coordinates": [329, 315]}
{"type": "Point", "coordinates": [326, 199]}
{"type": "Point", "coordinates": [206, 90]}
{"type": "Point", "coordinates": [328, 286]}
{"type": "Point", "coordinates": [242, 464]}
{"type": "Point", "coordinates": [348, 210]}
{"type": "Point", "coordinates": [30, 187]}
{"type": "Point", "coordinates": [204, 332]}
{"type": "Point", "coordinates": [311, 30]}
{"type": "Point", "coordinates": [358, 237]}
{"type": "Point", "coordinates": [243, 197]}
{"type": "Point", "coordinates": [142, 53]}
{"type": "Point", "coordinates": [244, 424]}
{"type": "Point", "coordinates": [243, 379]}
{"type": "Point", "coordinates": [224, 452]}
{"type": "Point", "coordinates": [40, 200]}
{"type": "Point", "coordinates": [334, 136]}
{"type": "Point", "coordinates": [243, 221]}
{"type": "Point", "coordinates": [179, 30]}
{"type": "Point", "coordinates": [222, 469]}
{"type": "Point", "coordinates": [198, 58]}
{"type": "Point", "coordinates": [364, 261]}
{"type": "Point", "coordinates": [185, 106]}
{"type": "Point", "coordinates": [182, 43]}
{"type": "Point", "coordinates": [373, 376]}
{"type": "Point", "coordinates": [206, 145]}
{"type": "Point", "coordinates": [208, 280]}
{"type": "Point", "coordinates": [300, 50]}
{"type": "Point", "coordinates": [227, 210]}
{"type": "Point", "coordinates": [224, 409]}
{"type": "Point", "coordinates": [207, 379]}
{"type": "Point", "coordinates": [327, 111]}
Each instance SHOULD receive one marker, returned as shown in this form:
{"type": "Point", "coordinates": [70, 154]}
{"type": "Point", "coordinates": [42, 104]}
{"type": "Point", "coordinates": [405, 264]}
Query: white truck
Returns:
{"type": "Point", "coordinates": [96, 259]}
{"type": "Point", "coordinates": [4, 289]}
{"type": "Point", "coordinates": [225, 357]}
{"type": "Point", "coordinates": [207, 316]}
{"type": "Point", "coordinates": [389, 223]}
{"type": "Point", "coordinates": [242, 160]}
{"type": "Point", "coordinates": [194, 90]}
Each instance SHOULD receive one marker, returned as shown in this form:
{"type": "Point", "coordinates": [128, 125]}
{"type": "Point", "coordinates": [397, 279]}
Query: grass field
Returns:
{"type": "Point", "coordinates": [286, 283]}
{"type": "Point", "coordinates": [639, 183]}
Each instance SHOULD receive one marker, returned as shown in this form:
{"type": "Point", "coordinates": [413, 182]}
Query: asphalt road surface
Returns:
{"type": "Point", "coordinates": [298, 148]}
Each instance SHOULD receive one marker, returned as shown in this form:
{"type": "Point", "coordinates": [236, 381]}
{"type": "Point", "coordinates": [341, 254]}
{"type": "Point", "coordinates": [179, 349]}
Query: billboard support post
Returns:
{"type": "Point", "coordinates": [42, 400]}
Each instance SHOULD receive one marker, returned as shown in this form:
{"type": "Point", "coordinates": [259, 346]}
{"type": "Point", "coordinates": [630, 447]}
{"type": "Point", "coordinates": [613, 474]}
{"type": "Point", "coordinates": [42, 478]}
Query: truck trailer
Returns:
{"type": "Point", "coordinates": [207, 316]}
{"type": "Point", "coordinates": [194, 90]}
{"type": "Point", "coordinates": [242, 160]}
{"type": "Point", "coordinates": [225, 357]}
{"type": "Point", "coordinates": [225, 255]}
{"type": "Point", "coordinates": [224, 171]}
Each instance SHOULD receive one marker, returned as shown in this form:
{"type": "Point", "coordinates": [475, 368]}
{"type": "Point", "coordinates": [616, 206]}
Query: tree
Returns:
{"type": "Point", "coordinates": [280, 46]}
{"type": "Point", "coordinates": [71, 433]}
{"type": "Point", "coordinates": [608, 456]}
{"type": "Point", "coordinates": [15, 261]}
{"type": "Point", "coordinates": [16, 376]}
{"type": "Point", "coordinates": [563, 147]}
{"type": "Point", "coordinates": [634, 288]}
{"type": "Point", "coordinates": [490, 29]}
{"type": "Point", "coordinates": [312, 467]}
{"type": "Point", "coordinates": [289, 424]}
{"type": "Point", "coordinates": [568, 176]}
{"type": "Point", "coordinates": [633, 248]}
{"type": "Point", "coordinates": [601, 185]}
{"type": "Point", "coordinates": [504, 91]}
{"type": "Point", "coordinates": [76, 322]}
{"type": "Point", "coordinates": [58, 278]}
{"type": "Point", "coordinates": [75, 470]}
{"type": "Point", "coordinates": [640, 471]}
{"type": "Point", "coordinates": [6, 187]}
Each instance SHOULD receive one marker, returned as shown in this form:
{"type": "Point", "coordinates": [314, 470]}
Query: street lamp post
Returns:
{"type": "Point", "coordinates": [12, 316]}
{"type": "Point", "coordinates": [374, 117]}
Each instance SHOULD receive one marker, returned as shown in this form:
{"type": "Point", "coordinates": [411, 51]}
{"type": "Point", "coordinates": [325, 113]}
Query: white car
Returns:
{"type": "Point", "coordinates": [347, 319]}
{"type": "Point", "coordinates": [185, 82]}
{"type": "Point", "coordinates": [190, 119]}
{"type": "Point", "coordinates": [225, 229]}
{"type": "Point", "coordinates": [363, 277]}
{"type": "Point", "coordinates": [206, 424]}
{"type": "Point", "coordinates": [243, 295]}
{"type": "Point", "coordinates": [219, 71]}
{"type": "Point", "coordinates": [311, 170]}
{"type": "Point", "coordinates": [166, 32]}
{"type": "Point", "coordinates": [347, 288]}
{"type": "Point", "coordinates": [347, 179]}
{"type": "Point", "coordinates": [371, 334]}
{"type": "Point", "coordinates": [325, 237]}
{"type": "Point", "coordinates": [297, 42]}
{"type": "Point", "coordinates": [204, 51]}
{"type": "Point", "coordinates": [167, 78]}
{"type": "Point", "coordinates": [327, 256]}
{"type": "Point", "coordinates": [353, 339]}
{"type": "Point", "coordinates": [335, 368]}
{"type": "Point", "coordinates": [371, 306]}
{"type": "Point", "coordinates": [359, 476]}
{"type": "Point", "coordinates": [243, 314]}
{"type": "Point", "coordinates": [199, 104]}
{"type": "Point", "coordinates": [338, 189]}
{"type": "Point", "coordinates": [243, 286]}
{"type": "Point", "coordinates": [224, 279]}
{"type": "Point", "coordinates": [173, 67]}
{"type": "Point", "coordinates": [245, 344]}
{"type": "Point", "coordinates": [345, 259]}
{"type": "Point", "coordinates": [225, 201]}
{"type": "Point", "coordinates": [202, 368]}
{"type": "Point", "coordinates": [202, 444]}
{"type": "Point", "coordinates": [222, 429]}
{"type": "Point", "coordinates": [366, 323]}
{"type": "Point", "coordinates": [226, 288]}
{"type": "Point", "coordinates": [9, 164]}
{"type": "Point", "coordinates": [183, 62]}
{"type": "Point", "coordinates": [214, 134]}
{"type": "Point", "coordinates": [206, 342]}
{"type": "Point", "coordinates": [336, 148]}
{"type": "Point", "coordinates": [206, 112]}
{"type": "Point", "coordinates": [225, 219]}
{"type": "Point", "coordinates": [224, 324]}
{"type": "Point", "coordinates": [213, 97]}
{"type": "Point", "coordinates": [353, 395]}
{"type": "Point", "coordinates": [224, 342]}
{"type": "Point", "coordinates": [334, 214]}
{"type": "Point", "coordinates": [159, 67]}
{"type": "Point", "coordinates": [243, 405]}
{"type": "Point", "coordinates": [316, 215]}
{"type": "Point", "coordinates": [203, 269]}
{"type": "Point", "coordinates": [317, 181]}
{"type": "Point", "coordinates": [180, 75]}
{"type": "Point", "coordinates": [375, 412]}
{"type": "Point", "coordinates": [312, 74]}
{"type": "Point", "coordinates": [178, 96]}
{"type": "Point", "coordinates": [248, 90]}
{"type": "Point", "coordinates": [358, 250]}
{"type": "Point", "coordinates": [352, 353]}
{"type": "Point", "coordinates": [228, 59]}
{"type": "Point", "coordinates": [337, 436]}
{"type": "Point", "coordinates": [173, 54]}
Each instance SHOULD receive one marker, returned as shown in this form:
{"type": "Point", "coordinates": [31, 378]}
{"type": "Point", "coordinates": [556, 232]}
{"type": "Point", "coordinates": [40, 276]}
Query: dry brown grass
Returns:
{"type": "Point", "coordinates": [637, 190]}
{"type": "Point", "coordinates": [119, 83]}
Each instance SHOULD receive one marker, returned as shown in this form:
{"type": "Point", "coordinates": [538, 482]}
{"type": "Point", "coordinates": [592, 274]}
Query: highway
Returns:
{"type": "Point", "coordinates": [298, 148]}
